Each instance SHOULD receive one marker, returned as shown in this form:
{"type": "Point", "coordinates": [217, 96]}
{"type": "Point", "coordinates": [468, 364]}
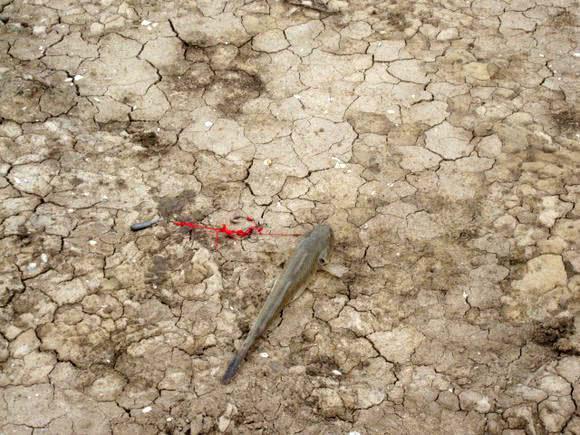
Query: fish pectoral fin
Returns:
{"type": "Point", "coordinates": [299, 293]}
{"type": "Point", "coordinates": [335, 269]}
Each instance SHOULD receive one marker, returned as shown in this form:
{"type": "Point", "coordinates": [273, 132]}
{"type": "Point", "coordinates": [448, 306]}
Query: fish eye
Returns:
{"type": "Point", "coordinates": [322, 261]}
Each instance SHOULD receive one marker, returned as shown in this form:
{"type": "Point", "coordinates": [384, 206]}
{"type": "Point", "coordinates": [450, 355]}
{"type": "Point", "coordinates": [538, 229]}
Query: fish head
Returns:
{"type": "Point", "coordinates": [323, 236]}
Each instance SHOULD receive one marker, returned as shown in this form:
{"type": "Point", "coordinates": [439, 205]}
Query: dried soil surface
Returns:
{"type": "Point", "coordinates": [439, 138]}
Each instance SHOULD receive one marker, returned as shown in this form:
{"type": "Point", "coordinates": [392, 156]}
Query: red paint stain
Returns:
{"type": "Point", "coordinates": [255, 228]}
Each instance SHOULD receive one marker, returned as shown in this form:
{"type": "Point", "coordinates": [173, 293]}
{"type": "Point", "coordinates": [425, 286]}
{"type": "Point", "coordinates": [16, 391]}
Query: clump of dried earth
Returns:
{"type": "Point", "coordinates": [438, 138]}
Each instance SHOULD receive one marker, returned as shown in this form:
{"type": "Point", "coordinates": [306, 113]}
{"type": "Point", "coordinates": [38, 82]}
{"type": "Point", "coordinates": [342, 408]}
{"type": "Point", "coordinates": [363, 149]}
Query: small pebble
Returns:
{"type": "Point", "coordinates": [268, 162]}
{"type": "Point", "coordinates": [208, 124]}
{"type": "Point", "coordinates": [264, 355]}
{"type": "Point", "coordinates": [336, 373]}
{"type": "Point", "coordinates": [147, 409]}
{"type": "Point", "coordinates": [145, 22]}
{"type": "Point", "coordinates": [339, 164]}
{"type": "Point", "coordinates": [31, 266]}
{"type": "Point", "coordinates": [92, 242]}
{"type": "Point", "coordinates": [44, 258]}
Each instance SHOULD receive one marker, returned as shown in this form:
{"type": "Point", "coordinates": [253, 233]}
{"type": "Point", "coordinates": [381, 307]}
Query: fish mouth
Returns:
{"type": "Point", "coordinates": [322, 228]}
{"type": "Point", "coordinates": [323, 234]}
{"type": "Point", "coordinates": [325, 230]}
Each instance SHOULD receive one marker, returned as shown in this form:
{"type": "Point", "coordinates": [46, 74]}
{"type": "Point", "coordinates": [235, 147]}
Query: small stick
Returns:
{"type": "Point", "coordinates": [142, 225]}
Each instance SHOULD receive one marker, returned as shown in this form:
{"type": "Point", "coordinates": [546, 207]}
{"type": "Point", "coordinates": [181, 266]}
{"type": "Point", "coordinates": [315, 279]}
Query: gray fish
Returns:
{"type": "Point", "coordinates": [312, 251]}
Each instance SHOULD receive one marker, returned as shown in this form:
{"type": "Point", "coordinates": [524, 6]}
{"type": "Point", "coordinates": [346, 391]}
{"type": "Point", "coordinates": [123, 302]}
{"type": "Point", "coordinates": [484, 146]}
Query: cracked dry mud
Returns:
{"type": "Point", "coordinates": [438, 138]}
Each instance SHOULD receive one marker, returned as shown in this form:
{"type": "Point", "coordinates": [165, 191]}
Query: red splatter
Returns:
{"type": "Point", "coordinates": [239, 233]}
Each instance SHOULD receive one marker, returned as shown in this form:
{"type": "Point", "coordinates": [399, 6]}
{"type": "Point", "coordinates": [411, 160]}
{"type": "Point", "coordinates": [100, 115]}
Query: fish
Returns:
{"type": "Point", "coordinates": [311, 252]}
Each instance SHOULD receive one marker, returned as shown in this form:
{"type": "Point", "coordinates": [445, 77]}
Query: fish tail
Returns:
{"type": "Point", "coordinates": [235, 362]}
{"type": "Point", "coordinates": [257, 330]}
{"type": "Point", "coordinates": [232, 368]}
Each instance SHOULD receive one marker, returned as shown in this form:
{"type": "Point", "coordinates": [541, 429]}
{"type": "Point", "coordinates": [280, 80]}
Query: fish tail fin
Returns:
{"type": "Point", "coordinates": [237, 359]}
{"type": "Point", "coordinates": [232, 368]}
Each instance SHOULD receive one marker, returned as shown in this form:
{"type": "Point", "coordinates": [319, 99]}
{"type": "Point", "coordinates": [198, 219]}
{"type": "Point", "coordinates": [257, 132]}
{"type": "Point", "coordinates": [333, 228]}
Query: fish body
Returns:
{"type": "Point", "coordinates": [312, 251]}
